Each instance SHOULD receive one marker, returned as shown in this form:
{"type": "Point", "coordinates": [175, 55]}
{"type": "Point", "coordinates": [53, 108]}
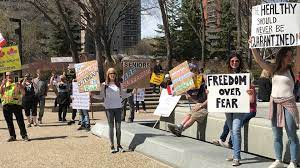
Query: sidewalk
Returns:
{"type": "Point", "coordinates": [56, 144]}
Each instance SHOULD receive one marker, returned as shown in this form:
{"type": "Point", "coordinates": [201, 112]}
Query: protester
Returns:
{"type": "Point", "coordinates": [84, 120]}
{"type": "Point", "coordinates": [54, 80]}
{"type": "Point", "coordinates": [198, 112]}
{"type": "Point", "coordinates": [63, 98]}
{"type": "Point", "coordinates": [157, 69]}
{"type": "Point", "coordinates": [283, 109]}
{"type": "Point", "coordinates": [11, 93]}
{"type": "Point", "coordinates": [29, 100]}
{"type": "Point", "coordinates": [167, 82]}
{"type": "Point", "coordinates": [112, 93]}
{"type": "Point", "coordinates": [264, 86]}
{"type": "Point", "coordinates": [130, 101]}
{"type": "Point", "coordinates": [141, 92]}
{"type": "Point", "coordinates": [41, 93]}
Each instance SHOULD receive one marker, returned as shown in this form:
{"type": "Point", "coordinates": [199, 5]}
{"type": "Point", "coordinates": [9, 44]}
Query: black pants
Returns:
{"type": "Point", "coordinates": [131, 108]}
{"type": "Point", "coordinates": [74, 111]}
{"type": "Point", "coordinates": [62, 112]}
{"type": "Point", "coordinates": [114, 116]}
{"type": "Point", "coordinates": [138, 105]}
{"type": "Point", "coordinates": [8, 111]}
{"type": "Point", "coordinates": [30, 107]}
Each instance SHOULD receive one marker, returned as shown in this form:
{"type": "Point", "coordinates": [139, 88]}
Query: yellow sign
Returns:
{"type": "Point", "coordinates": [10, 59]}
{"type": "Point", "coordinates": [198, 81]}
{"type": "Point", "coordinates": [157, 79]}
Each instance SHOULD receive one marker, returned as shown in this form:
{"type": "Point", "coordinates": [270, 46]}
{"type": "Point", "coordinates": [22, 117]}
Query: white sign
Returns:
{"type": "Point", "coordinates": [80, 100]}
{"type": "Point", "coordinates": [139, 95]}
{"type": "Point", "coordinates": [167, 103]}
{"type": "Point", "coordinates": [275, 25]}
{"type": "Point", "coordinates": [61, 59]}
{"type": "Point", "coordinates": [228, 93]}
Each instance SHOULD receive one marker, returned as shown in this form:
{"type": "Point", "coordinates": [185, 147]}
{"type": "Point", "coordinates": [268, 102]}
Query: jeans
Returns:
{"type": "Point", "coordinates": [234, 121]}
{"type": "Point", "coordinates": [246, 119]}
{"type": "Point", "coordinates": [114, 116]}
{"type": "Point", "coordinates": [8, 111]}
{"type": "Point", "coordinates": [41, 101]}
{"type": "Point", "coordinates": [131, 108]}
{"type": "Point", "coordinates": [85, 118]}
{"type": "Point", "coordinates": [291, 131]}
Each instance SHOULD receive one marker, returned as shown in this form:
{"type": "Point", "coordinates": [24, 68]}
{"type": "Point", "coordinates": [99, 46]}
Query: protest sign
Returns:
{"type": "Point", "coordinates": [198, 81]}
{"type": "Point", "coordinates": [80, 100]}
{"type": "Point", "coordinates": [10, 59]}
{"type": "Point", "coordinates": [136, 73]}
{"type": "Point", "coordinates": [275, 25]}
{"type": "Point", "coordinates": [61, 59]}
{"type": "Point", "coordinates": [139, 95]}
{"type": "Point", "coordinates": [182, 78]}
{"type": "Point", "coordinates": [157, 79]}
{"type": "Point", "coordinates": [2, 41]}
{"type": "Point", "coordinates": [167, 103]}
{"type": "Point", "coordinates": [87, 76]}
{"type": "Point", "coordinates": [228, 93]}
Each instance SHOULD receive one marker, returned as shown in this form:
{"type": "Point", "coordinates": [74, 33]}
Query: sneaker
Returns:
{"type": "Point", "coordinates": [59, 119]}
{"type": "Point", "coordinates": [112, 149]}
{"type": "Point", "coordinates": [88, 129]}
{"type": "Point", "coordinates": [79, 122]}
{"type": "Point", "coordinates": [40, 121]}
{"type": "Point", "coordinates": [11, 139]}
{"type": "Point", "coordinates": [25, 138]}
{"type": "Point", "coordinates": [236, 162]}
{"type": "Point", "coordinates": [276, 164]}
{"type": "Point", "coordinates": [120, 149]}
{"type": "Point", "coordinates": [81, 128]}
{"type": "Point", "coordinates": [29, 125]}
{"type": "Point", "coordinates": [216, 142]}
{"type": "Point", "coordinates": [224, 144]}
{"type": "Point", "coordinates": [64, 120]}
{"type": "Point", "coordinates": [35, 124]}
{"type": "Point", "coordinates": [229, 158]}
{"type": "Point", "coordinates": [292, 165]}
{"type": "Point", "coordinates": [175, 129]}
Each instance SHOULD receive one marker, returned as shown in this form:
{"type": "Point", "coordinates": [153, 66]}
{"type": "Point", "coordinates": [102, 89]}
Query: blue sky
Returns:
{"type": "Point", "coordinates": [150, 19]}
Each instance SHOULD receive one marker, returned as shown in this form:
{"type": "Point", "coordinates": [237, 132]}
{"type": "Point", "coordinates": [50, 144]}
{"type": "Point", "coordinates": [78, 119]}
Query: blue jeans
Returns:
{"type": "Point", "coordinates": [85, 118]}
{"type": "Point", "coordinates": [245, 120]}
{"type": "Point", "coordinates": [234, 122]}
{"type": "Point", "coordinates": [291, 131]}
{"type": "Point", "coordinates": [41, 101]}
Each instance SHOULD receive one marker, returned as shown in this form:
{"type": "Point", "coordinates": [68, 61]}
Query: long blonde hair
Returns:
{"type": "Point", "coordinates": [107, 80]}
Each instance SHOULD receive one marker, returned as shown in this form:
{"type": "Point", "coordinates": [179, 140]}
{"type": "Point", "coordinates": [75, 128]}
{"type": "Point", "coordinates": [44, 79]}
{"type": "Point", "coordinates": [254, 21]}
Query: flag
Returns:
{"type": "Point", "coordinates": [2, 41]}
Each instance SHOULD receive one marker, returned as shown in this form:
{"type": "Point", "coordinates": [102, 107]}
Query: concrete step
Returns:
{"type": "Point", "coordinates": [179, 152]}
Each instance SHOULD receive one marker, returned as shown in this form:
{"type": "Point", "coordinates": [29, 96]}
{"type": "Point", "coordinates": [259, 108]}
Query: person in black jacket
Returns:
{"type": "Point", "coordinates": [264, 86]}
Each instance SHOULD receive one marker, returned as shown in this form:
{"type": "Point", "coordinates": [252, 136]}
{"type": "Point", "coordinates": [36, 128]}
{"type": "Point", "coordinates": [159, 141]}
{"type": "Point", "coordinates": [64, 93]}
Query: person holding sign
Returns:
{"type": "Point", "coordinates": [283, 109]}
{"type": "Point", "coordinates": [235, 120]}
{"type": "Point", "coordinates": [157, 69]}
{"type": "Point", "coordinates": [112, 93]}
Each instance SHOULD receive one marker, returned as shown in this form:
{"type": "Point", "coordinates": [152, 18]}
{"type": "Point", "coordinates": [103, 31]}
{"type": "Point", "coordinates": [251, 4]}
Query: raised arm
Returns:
{"type": "Point", "coordinates": [263, 64]}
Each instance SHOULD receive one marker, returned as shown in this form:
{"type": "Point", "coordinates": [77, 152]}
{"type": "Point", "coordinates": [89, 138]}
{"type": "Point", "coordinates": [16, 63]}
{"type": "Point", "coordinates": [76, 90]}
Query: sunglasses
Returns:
{"type": "Point", "coordinates": [112, 73]}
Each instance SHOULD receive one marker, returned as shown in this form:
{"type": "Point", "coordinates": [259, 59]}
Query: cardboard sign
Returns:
{"type": "Point", "coordinates": [228, 93]}
{"type": "Point", "coordinates": [157, 79]}
{"type": "Point", "coordinates": [275, 25]}
{"type": "Point", "coordinates": [198, 81]}
{"type": "Point", "coordinates": [80, 100]}
{"type": "Point", "coordinates": [61, 59]}
{"type": "Point", "coordinates": [167, 103]}
{"type": "Point", "coordinates": [10, 59]}
{"type": "Point", "coordinates": [182, 78]}
{"type": "Point", "coordinates": [87, 76]}
{"type": "Point", "coordinates": [136, 74]}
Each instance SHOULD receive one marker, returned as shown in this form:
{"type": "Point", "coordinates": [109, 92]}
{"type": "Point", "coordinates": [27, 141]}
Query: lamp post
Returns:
{"type": "Point", "coordinates": [18, 31]}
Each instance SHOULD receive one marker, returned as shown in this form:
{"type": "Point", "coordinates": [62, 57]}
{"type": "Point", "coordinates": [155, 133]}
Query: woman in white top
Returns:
{"type": "Point", "coordinates": [112, 93]}
{"type": "Point", "coordinates": [283, 110]}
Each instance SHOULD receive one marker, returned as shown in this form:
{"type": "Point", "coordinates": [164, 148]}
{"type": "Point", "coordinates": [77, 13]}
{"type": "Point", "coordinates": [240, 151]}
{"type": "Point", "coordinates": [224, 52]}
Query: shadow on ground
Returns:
{"type": "Point", "coordinates": [48, 138]}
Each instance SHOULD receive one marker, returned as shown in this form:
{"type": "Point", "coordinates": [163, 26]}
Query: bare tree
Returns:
{"type": "Point", "coordinates": [163, 9]}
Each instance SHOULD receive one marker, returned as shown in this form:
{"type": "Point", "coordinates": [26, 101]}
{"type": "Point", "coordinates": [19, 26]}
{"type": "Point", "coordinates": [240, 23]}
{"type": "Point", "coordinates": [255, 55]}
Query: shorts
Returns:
{"type": "Point", "coordinates": [199, 115]}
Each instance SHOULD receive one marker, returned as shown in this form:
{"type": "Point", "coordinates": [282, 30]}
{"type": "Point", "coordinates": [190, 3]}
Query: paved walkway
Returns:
{"type": "Point", "coordinates": [56, 144]}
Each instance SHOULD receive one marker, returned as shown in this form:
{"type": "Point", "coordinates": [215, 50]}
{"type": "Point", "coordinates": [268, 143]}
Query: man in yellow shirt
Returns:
{"type": "Point", "coordinates": [11, 99]}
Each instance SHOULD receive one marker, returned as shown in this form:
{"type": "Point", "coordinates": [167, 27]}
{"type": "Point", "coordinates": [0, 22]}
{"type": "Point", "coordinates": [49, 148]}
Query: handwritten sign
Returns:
{"type": "Point", "coordinates": [157, 79]}
{"type": "Point", "coordinates": [80, 100]}
{"type": "Point", "coordinates": [228, 93]}
{"type": "Point", "coordinates": [275, 25]}
{"type": "Point", "coordinates": [136, 74]}
{"type": "Point", "coordinates": [87, 76]}
{"type": "Point", "coordinates": [139, 95]}
{"type": "Point", "coordinates": [182, 78]}
{"type": "Point", "coordinates": [61, 59]}
{"type": "Point", "coordinates": [10, 59]}
{"type": "Point", "coordinates": [167, 103]}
